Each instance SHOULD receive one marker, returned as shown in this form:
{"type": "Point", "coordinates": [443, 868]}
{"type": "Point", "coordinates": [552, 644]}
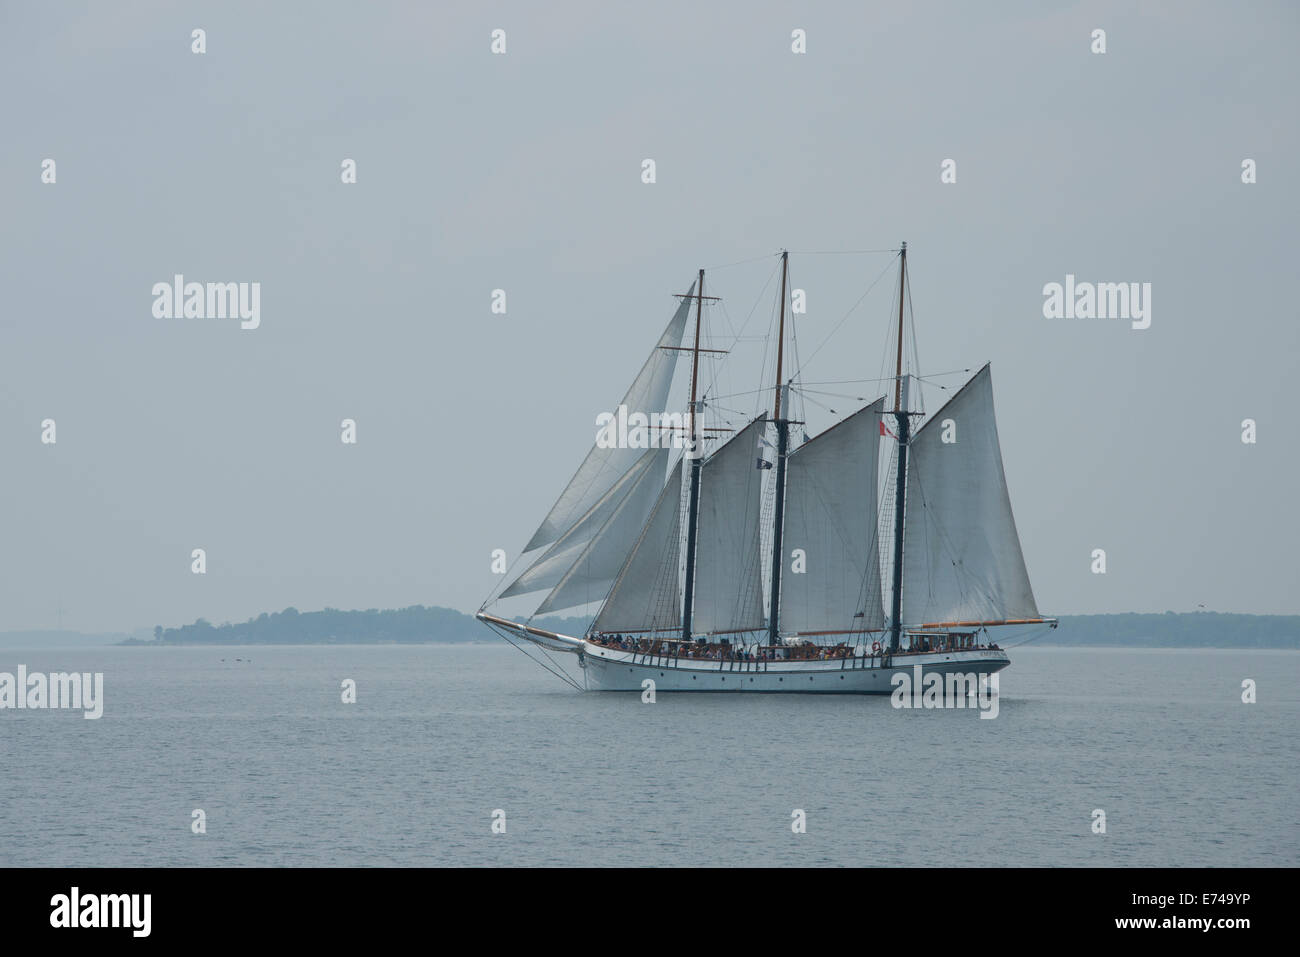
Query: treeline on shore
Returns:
{"type": "Point", "coordinates": [1199, 629]}
{"type": "Point", "coordinates": [418, 624]}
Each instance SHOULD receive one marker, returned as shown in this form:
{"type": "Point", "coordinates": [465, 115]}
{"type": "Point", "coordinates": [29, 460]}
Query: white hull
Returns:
{"type": "Point", "coordinates": [611, 669]}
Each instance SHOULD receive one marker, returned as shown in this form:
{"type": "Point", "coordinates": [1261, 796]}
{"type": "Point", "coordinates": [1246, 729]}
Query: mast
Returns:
{"type": "Point", "coordinates": [782, 440]}
{"type": "Point", "coordinates": [693, 503]}
{"type": "Point", "coordinates": [900, 491]}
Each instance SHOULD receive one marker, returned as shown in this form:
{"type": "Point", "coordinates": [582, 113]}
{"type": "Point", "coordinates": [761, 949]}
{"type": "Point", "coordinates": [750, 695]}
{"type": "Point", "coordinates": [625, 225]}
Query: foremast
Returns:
{"type": "Point", "coordinates": [695, 455]}
{"type": "Point", "coordinates": [782, 444]}
{"type": "Point", "coordinates": [900, 488]}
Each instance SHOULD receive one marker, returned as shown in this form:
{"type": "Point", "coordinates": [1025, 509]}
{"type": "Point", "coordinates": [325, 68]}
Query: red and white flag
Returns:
{"type": "Point", "coordinates": [885, 431]}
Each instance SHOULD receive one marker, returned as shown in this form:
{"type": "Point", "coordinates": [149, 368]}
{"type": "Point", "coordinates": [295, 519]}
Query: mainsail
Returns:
{"type": "Point", "coordinates": [592, 573]}
{"type": "Point", "coordinates": [728, 570]}
{"type": "Point", "coordinates": [647, 594]}
{"type": "Point", "coordinates": [830, 516]}
{"type": "Point", "coordinates": [961, 553]}
{"type": "Point", "coordinates": [603, 467]}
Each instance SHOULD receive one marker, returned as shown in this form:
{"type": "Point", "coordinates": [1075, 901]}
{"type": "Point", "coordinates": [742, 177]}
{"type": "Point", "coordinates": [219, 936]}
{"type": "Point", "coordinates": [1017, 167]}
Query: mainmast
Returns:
{"type": "Point", "coordinates": [782, 440]}
{"type": "Point", "coordinates": [697, 459]}
{"type": "Point", "coordinates": [900, 491]}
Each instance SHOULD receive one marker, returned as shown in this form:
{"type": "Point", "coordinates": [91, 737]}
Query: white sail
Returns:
{"type": "Point", "coordinates": [830, 516]}
{"type": "Point", "coordinates": [603, 467]}
{"type": "Point", "coordinates": [728, 566]}
{"type": "Point", "coordinates": [591, 575]}
{"type": "Point", "coordinates": [647, 594]}
{"type": "Point", "coordinates": [549, 567]}
{"type": "Point", "coordinates": [961, 553]}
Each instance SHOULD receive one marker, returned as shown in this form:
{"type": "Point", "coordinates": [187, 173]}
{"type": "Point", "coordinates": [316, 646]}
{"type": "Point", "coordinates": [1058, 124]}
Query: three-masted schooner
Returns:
{"type": "Point", "coordinates": [679, 563]}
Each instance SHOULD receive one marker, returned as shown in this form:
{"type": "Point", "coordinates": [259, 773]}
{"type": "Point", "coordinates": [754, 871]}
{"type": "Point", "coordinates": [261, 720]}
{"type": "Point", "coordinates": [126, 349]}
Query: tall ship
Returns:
{"type": "Point", "coordinates": [757, 563]}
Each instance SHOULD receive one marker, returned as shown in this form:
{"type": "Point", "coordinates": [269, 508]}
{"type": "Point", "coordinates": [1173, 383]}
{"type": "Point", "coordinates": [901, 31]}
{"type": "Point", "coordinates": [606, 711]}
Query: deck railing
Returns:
{"type": "Point", "coordinates": [733, 662]}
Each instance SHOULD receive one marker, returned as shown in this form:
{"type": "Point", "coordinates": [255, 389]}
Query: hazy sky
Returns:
{"type": "Point", "coordinates": [523, 172]}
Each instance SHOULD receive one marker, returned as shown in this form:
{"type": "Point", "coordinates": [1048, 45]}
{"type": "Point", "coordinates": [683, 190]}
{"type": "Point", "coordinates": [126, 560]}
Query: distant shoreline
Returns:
{"type": "Point", "coordinates": [145, 643]}
{"type": "Point", "coordinates": [420, 625]}
{"type": "Point", "coordinates": [137, 643]}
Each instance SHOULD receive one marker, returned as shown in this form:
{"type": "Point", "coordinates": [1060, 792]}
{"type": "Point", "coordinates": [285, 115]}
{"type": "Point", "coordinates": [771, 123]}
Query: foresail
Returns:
{"type": "Point", "coordinates": [591, 575]}
{"type": "Point", "coordinates": [647, 594]}
{"type": "Point", "coordinates": [603, 467]}
{"type": "Point", "coordinates": [831, 520]}
{"type": "Point", "coordinates": [728, 565]}
{"type": "Point", "coordinates": [549, 567]}
{"type": "Point", "coordinates": [961, 553]}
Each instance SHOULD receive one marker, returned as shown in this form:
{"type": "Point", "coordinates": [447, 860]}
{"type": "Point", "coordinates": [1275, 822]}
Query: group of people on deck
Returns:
{"type": "Point", "coordinates": [719, 652]}
{"type": "Point", "coordinates": [921, 644]}
{"type": "Point", "coordinates": [917, 644]}
{"type": "Point", "coordinates": [945, 641]}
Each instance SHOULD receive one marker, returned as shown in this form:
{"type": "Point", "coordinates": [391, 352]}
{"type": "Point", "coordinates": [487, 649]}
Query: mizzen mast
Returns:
{"type": "Point", "coordinates": [782, 442]}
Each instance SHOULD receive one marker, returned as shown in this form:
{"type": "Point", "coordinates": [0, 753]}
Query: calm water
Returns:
{"type": "Point", "coordinates": [442, 735]}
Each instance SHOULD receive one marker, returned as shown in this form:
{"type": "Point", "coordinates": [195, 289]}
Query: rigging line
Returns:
{"type": "Point", "coordinates": [759, 298]}
{"type": "Point", "coordinates": [889, 378]}
{"type": "Point", "coordinates": [890, 344]}
{"type": "Point", "coordinates": [740, 413]}
{"type": "Point", "coordinates": [795, 389]}
{"type": "Point", "coordinates": [559, 674]}
{"type": "Point", "coordinates": [835, 395]}
{"type": "Point", "coordinates": [935, 375]}
{"type": "Point", "coordinates": [850, 312]}
{"type": "Point", "coordinates": [1042, 633]}
{"type": "Point", "coordinates": [739, 262]}
{"type": "Point", "coordinates": [717, 369]}
{"type": "Point", "coordinates": [767, 349]}
{"type": "Point", "coordinates": [795, 364]}
{"type": "Point", "coordinates": [731, 326]}
{"type": "Point", "coordinates": [554, 662]}
{"type": "Point", "coordinates": [807, 383]}
{"type": "Point", "coordinates": [840, 252]}
{"type": "Point", "coordinates": [916, 356]}
{"type": "Point", "coordinates": [820, 405]}
{"type": "Point", "coordinates": [494, 595]}
{"type": "Point", "coordinates": [738, 395]}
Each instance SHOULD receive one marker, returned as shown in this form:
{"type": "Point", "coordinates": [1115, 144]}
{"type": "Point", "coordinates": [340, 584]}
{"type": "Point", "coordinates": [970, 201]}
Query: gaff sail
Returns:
{"type": "Point", "coordinates": [831, 522]}
{"type": "Point", "coordinates": [961, 553]}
